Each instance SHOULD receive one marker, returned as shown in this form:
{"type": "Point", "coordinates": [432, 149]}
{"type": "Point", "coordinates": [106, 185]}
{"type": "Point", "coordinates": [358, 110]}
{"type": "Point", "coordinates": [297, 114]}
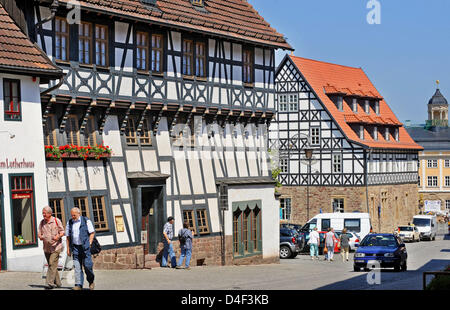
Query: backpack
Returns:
{"type": "Point", "coordinates": [181, 236]}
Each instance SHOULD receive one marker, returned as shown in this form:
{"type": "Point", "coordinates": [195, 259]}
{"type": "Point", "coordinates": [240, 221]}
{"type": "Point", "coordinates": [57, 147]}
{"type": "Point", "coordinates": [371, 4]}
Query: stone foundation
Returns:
{"type": "Point", "coordinates": [121, 258]}
{"type": "Point", "coordinates": [400, 206]}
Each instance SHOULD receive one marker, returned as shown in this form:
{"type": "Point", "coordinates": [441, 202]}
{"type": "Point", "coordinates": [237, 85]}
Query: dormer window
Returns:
{"type": "Point", "coordinates": [386, 134]}
{"type": "Point", "coordinates": [361, 132]}
{"type": "Point", "coordinates": [396, 134]}
{"type": "Point", "coordinates": [198, 2]}
{"type": "Point", "coordinates": [375, 133]}
{"type": "Point", "coordinates": [355, 105]}
{"type": "Point", "coordinates": [377, 107]}
{"type": "Point", "coordinates": [367, 107]}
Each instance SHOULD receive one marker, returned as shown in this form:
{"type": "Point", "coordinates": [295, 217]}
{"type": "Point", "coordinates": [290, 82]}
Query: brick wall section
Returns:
{"type": "Point", "coordinates": [206, 251]}
{"type": "Point", "coordinates": [321, 197]}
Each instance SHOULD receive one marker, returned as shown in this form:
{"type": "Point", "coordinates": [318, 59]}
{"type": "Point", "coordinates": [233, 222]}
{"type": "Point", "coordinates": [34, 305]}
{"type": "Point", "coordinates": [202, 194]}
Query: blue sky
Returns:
{"type": "Point", "coordinates": [403, 56]}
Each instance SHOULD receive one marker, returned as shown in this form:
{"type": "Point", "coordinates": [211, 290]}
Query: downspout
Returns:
{"type": "Point", "coordinates": [367, 157]}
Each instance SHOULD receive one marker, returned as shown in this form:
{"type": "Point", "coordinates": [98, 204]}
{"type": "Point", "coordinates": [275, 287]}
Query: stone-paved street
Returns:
{"type": "Point", "coordinates": [292, 274]}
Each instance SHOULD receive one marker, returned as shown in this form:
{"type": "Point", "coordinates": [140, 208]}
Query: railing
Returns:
{"type": "Point", "coordinates": [392, 178]}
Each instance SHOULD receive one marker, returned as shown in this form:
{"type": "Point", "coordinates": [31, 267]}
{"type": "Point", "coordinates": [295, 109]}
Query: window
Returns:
{"type": "Point", "coordinates": [339, 103]}
{"type": "Point", "coordinates": [23, 210]}
{"type": "Point", "coordinates": [72, 130]}
{"type": "Point", "coordinates": [61, 39]}
{"type": "Point", "coordinates": [90, 132]}
{"type": "Point", "coordinates": [11, 99]}
{"type": "Point", "coordinates": [142, 51]}
{"type": "Point", "coordinates": [432, 163]}
{"type": "Point", "coordinates": [98, 209]}
{"type": "Point", "coordinates": [57, 206]}
{"type": "Point", "coordinates": [377, 107]}
{"type": "Point", "coordinates": [188, 216]}
{"type": "Point", "coordinates": [200, 59]}
{"type": "Point", "coordinates": [386, 134]}
{"type": "Point", "coordinates": [202, 222]}
{"type": "Point", "coordinates": [236, 231]}
{"type": "Point", "coordinates": [355, 105]}
{"type": "Point", "coordinates": [396, 134]}
{"type": "Point", "coordinates": [283, 106]}
{"type": "Point", "coordinates": [447, 181]}
{"type": "Point", "coordinates": [375, 133]}
{"type": "Point", "coordinates": [130, 131]}
{"type": "Point", "coordinates": [361, 132]}
{"type": "Point", "coordinates": [285, 209]}
{"type": "Point", "coordinates": [50, 130]}
{"type": "Point", "coordinates": [157, 53]}
{"type": "Point", "coordinates": [197, 2]}
{"type": "Point", "coordinates": [145, 136]}
{"type": "Point", "coordinates": [85, 43]}
{"type": "Point", "coordinates": [367, 106]}
{"type": "Point", "coordinates": [447, 163]}
{"type": "Point", "coordinates": [293, 102]}
{"type": "Point", "coordinates": [254, 218]}
{"type": "Point", "coordinates": [284, 165]}
{"type": "Point", "coordinates": [315, 136]}
{"type": "Point", "coordinates": [432, 181]}
{"type": "Point", "coordinates": [418, 181]}
{"type": "Point", "coordinates": [337, 163]}
{"type": "Point", "coordinates": [326, 223]}
{"type": "Point", "coordinates": [82, 204]}
{"type": "Point", "coordinates": [352, 225]}
{"type": "Point", "coordinates": [447, 206]}
{"type": "Point", "coordinates": [338, 205]}
{"type": "Point", "coordinates": [246, 228]}
{"type": "Point", "coordinates": [101, 45]}
{"type": "Point", "coordinates": [188, 57]}
{"type": "Point", "coordinates": [247, 66]}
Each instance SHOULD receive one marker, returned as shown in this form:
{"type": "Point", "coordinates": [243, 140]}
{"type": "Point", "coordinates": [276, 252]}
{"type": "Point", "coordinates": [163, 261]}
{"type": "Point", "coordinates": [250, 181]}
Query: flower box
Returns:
{"type": "Point", "coordinates": [74, 152]}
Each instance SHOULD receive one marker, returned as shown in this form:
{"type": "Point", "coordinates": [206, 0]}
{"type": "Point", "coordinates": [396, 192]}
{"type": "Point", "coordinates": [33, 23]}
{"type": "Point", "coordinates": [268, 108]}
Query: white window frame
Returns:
{"type": "Point", "coordinates": [367, 106]}
{"type": "Point", "coordinates": [447, 163]}
{"type": "Point", "coordinates": [447, 181]}
{"type": "Point", "coordinates": [375, 133]}
{"type": "Point", "coordinates": [432, 163]}
{"type": "Point", "coordinates": [361, 132]}
{"type": "Point", "coordinates": [285, 205]}
{"type": "Point", "coordinates": [284, 165]}
{"type": "Point", "coordinates": [293, 102]}
{"type": "Point", "coordinates": [377, 107]}
{"type": "Point", "coordinates": [283, 104]}
{"type": "Point", "coordinates": [314, 132]}
{"type": "Point", "coordinates": [432, 181]}
{"type": "Point", "coordinates": [340, 205]}
{"type": "Point", "coordinates": [337, 163]}
{"type": "Point", "coordinates": [386, 134]}
{"type": "Point", "coordinates": [355, 105]}
{"type": "Point", "coordinates": [397, 134]}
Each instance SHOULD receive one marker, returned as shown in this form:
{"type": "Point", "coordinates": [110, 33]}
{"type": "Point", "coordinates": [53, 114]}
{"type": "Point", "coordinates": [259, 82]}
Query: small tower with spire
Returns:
{"type": "Point", "coordinates": [438, 109]}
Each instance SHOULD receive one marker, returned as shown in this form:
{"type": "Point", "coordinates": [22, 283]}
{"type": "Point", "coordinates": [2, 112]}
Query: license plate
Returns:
{"type": "Point", "coordinates": [372, 262]}
{"type": "Point", "coordinates": [402, 235]}
{"type": "Point", "coordinates": [359, 261]}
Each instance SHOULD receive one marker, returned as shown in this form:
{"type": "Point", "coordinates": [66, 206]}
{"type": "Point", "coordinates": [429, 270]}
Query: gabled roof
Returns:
{"type": "Point", "coordinates": [18, 55]}
{"type": "Point", "coordinates": [325, 77]}
{"type": "Point", "coordinates": [236, 19]}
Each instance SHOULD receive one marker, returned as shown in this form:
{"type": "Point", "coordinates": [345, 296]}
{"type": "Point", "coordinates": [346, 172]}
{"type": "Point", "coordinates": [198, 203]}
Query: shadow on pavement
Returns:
{"type": "Point", "coordinates": [389, 276]}
{"type": "Point", "coordinates": [44, 286]}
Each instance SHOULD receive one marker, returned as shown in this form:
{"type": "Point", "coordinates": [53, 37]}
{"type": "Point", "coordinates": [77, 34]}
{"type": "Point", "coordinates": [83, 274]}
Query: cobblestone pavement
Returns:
{"type": "Point", "coordinates": [291, 274]}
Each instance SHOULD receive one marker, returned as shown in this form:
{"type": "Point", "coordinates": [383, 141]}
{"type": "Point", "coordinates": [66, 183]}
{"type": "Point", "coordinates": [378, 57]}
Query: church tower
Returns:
{"type": "Point", "coordinates": [438, 110]}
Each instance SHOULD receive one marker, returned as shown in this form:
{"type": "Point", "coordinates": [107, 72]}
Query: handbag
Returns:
{"type": "Point", "coordinates": [95, 247]}
{"type": "Point", "coordinates": [325, 250]}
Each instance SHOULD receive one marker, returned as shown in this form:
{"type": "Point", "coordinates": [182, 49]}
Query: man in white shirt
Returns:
{"type": "Point", "coordinates": [80, 233]}
{"type": "Point", "coordinates": [314, 241]}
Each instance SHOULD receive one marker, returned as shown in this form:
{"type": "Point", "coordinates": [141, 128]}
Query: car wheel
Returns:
{"type": "Point", "coordinates": [356, 269]}
{"type": "Point", "coordinates": [397, 267]}
{"type": "Point", "coordinates": [434, 237]}
{"type": "Point", "coordinates": [285, 252]}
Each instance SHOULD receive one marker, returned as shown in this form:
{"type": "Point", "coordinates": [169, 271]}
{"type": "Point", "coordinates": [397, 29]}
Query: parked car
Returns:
{"type": "Point", "coordinates": [353, 239]}
{"type": "Point", "coordinates": [355, 221]}
{"type": "Point", "coordinates": [427, 226]}
{"type": "Point", "coordinates": [409, 233]}
{"type": "Point", "coordinates": [291, 243]}
{"type": "Point", "coordinates": [386, 249]}
{"type": "Point", "coordinates": [297, 227]}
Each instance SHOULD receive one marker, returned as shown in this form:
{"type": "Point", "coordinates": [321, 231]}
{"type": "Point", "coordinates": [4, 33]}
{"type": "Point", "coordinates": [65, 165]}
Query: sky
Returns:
{"type": "Point", "coordinates": [403, 55]}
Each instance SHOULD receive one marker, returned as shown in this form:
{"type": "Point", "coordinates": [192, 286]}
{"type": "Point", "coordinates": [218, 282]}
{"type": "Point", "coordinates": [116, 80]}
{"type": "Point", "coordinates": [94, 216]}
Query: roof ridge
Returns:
{"type": "Point", "coordinates": [326, 62]}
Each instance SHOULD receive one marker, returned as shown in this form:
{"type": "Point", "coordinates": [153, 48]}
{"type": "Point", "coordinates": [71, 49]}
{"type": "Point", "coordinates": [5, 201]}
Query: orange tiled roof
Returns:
{"type": "Point", "coordinates": [323, 76]}
{"type": "Point", "coordinates": [232, 18]}
{"type": "Point", "coordinates": [18, 54]}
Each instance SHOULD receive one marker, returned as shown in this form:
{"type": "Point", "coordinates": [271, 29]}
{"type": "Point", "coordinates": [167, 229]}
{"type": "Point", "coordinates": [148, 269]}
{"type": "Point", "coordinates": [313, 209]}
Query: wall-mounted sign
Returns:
{"type": "Point", "coordinates": [21, 196]}
{"type": "Point", "coordinates": [120, 227]}
{"type": "Point", "coordinates": [433, 206]}
{"type": "Point", "coordinates": [144, 237]}
{"type": "Point", "coordinates": [15, 164]}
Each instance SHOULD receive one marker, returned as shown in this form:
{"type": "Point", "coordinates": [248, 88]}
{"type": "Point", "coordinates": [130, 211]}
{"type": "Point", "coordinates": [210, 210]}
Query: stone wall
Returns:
{"type": "Point", "coordinates": [120, 258]}
{"type": "Point", "coordinates": [399, 208]}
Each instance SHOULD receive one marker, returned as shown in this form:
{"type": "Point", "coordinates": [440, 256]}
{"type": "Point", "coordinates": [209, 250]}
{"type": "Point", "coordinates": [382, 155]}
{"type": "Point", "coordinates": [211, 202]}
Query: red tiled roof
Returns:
{"type": "Point", "coordinates": [320, 75]}
{"type": "Point", "coordinates": [231, 18]}
{"type": "Point", "coordinates": [18, 54]}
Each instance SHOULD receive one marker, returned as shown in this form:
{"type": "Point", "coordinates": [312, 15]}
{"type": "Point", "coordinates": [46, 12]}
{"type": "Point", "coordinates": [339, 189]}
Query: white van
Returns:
{"type": "Point", "coordinates": [427, 225]}
{"type": "Point", "coordinates": [355, 222]}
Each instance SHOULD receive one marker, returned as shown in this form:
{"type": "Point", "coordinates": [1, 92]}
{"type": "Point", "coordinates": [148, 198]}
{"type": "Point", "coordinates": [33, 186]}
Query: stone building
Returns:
{"type": "Point", "coordinates": [434, 160]}
{"type": "Point", "coordinates": [363, 160]}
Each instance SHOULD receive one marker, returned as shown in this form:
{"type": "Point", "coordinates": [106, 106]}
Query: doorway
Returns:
{"type": "Point", "coordinates": [153, 216]}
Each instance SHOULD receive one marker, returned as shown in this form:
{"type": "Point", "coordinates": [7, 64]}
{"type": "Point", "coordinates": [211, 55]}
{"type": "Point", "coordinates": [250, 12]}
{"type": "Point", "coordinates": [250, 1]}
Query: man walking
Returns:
{"type": "Point", "coordinates": [50, 232]}
{"type": "Point", "coordinates": [168, 246]}
{"type": "Point", "coordinates": [185, 237]}
{"type": "Point", "coordinates": [314, 240]}
{"type": "Point", "coordinates": [329, 243]}
{"type": "Point", "coordinates": [80, 234]}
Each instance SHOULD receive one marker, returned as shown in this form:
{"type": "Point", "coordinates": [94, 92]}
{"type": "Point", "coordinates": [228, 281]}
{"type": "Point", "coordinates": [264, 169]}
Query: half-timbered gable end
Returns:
{"type": "Point", "coordinates": [357, 141]}
{"type": "Point", "coordinates": [181, 92]}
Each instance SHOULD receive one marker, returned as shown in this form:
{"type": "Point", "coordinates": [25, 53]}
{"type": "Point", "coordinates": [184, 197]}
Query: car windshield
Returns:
{"type": "Point", "coordinates": [421, 222]}
{"type": "Point", "coordinates": [406, 228]}
{"type": "Point", "coordinates": [379, 240]}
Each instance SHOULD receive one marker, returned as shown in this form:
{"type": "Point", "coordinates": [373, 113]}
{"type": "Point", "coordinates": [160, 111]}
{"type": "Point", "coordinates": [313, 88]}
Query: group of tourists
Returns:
{"type": "Point", "coordinates": [329, 244]}
{"type": "Point", "coordinates": [184, 237]}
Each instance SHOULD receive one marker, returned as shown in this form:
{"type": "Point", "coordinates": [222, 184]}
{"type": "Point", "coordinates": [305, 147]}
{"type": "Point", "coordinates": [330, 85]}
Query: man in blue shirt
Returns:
{"type": "Point", "coordinates": [80, 233]}
{"type": "Point", "coordinates": [168, 246]}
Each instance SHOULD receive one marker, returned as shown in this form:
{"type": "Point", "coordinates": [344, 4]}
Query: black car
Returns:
{"type": "Point", "coordinates": [291, 243]}
{"type": "Point", "coordinates": [297, 227]}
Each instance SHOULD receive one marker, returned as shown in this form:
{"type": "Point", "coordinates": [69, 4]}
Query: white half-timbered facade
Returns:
{"type": "Point", "coordinates": [359, 147]}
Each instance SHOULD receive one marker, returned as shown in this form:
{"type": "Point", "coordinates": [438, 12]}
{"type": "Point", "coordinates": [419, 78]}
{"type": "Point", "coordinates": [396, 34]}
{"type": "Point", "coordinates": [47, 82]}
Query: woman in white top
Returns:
{"type": "Point", "coordinates": [314, 240]}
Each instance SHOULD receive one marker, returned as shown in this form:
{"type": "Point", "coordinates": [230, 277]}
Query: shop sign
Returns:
{"type": "Point", "coordinates": [21, 196]}
{"type": "Point", "coordinates": [16, 164]}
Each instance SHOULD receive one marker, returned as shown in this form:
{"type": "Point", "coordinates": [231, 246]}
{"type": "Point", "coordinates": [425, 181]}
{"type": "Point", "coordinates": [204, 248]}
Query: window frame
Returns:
{"type": "Point", "coordinates": [249, 65]}
{"type": "Point", "coordinates": [157, 49]}
{"type": "Point", "coordinates": [86, 38]}
{"type": "Point", "coordinates": [90, 134]}
{"type": "Point", "coordinates": [433, 180]}
{"type": "Point", "coordinates": [60, 34]}
{"type": "Point", "coordinates": [143, 46]}
{"type": "Point", "coordinates": [340, 207]}
{"type": "Point", "coordinates": [7, 114]}
{"type": "Point", "coordinates": [55, 212]}
{"type": "Point", "coordinates": [77, 131]}
{"type": "Point", "coordinates": [334, 163]}
{"type": "Point", "coordinates": [48, 136]}
{"type": "Point", "coordinates": [293, 104]}
{"type": "Point", "coordinates": [251, 247]}
{"type": "Point", "coordinates": [432, 163]}
{"type": "Point", "coordinates": [103, 210]}
{"type": "Point", "coordinates": [101, 40]}
{"type": "Point", "coordinates": [134, 137]}
{"type": "Point", "coordinates": [200, 57]}
{"type": "Point", "coordinates": [284, 207]}
{"type": "Point", "coordinates": [315, 136]}
{"type": "Point", "coordinates": [187, 55]}
{"type": "Point", "coordinates": [283, 103]}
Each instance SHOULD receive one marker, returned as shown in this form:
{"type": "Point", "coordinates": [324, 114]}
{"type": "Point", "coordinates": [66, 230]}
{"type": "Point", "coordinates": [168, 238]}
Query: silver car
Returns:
{"type": "Point", "coordinates": [353, 239]}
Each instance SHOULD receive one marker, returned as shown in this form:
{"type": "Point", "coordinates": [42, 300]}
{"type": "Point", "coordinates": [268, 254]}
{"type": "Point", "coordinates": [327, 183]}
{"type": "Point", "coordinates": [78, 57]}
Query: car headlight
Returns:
{"type": "Point", "coordinates": [389, 255]}
{"type": "Point", "coordinates": [360, 255]}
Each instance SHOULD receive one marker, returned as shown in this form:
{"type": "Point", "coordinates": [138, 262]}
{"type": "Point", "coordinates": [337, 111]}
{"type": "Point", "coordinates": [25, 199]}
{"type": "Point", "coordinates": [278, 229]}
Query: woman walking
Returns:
{"type": "Point", "coordinates": [329, 244]}
{"type": "Point", "coordinates": [314, 240]}
{"type": "Point", "coordinates": [345, 245]}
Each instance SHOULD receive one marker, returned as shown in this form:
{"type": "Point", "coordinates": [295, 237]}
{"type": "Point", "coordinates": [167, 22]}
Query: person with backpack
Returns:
{"type": "Point", "coordinates": [185, 238]}
{"type": "Point", "coordinates": [50, 232]}
{"type": "Point", "coordinates": [80, 234]}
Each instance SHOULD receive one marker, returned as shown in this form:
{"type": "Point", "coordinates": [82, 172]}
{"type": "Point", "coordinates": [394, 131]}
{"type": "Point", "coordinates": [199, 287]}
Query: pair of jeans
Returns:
{"type": "Point", "coordinates": [168, 251]}
{"type": "Point", "coordinates": [185, 253]}
{"type": "Point", "coordinates": [82, 258]}
{"type": "Point", "coordinates": [314, 250]}
{"type": "Point", "coordinates": [52, 271]}
{"type": "Point", "coordinates": [330, 252]}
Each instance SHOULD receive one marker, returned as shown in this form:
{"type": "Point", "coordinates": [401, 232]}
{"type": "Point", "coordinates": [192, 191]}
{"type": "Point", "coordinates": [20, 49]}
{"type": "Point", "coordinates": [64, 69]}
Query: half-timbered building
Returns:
{"type": "Point", "coordinates": [363, 160]}
{"type": "Point", "coordinates": [162, 111]}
